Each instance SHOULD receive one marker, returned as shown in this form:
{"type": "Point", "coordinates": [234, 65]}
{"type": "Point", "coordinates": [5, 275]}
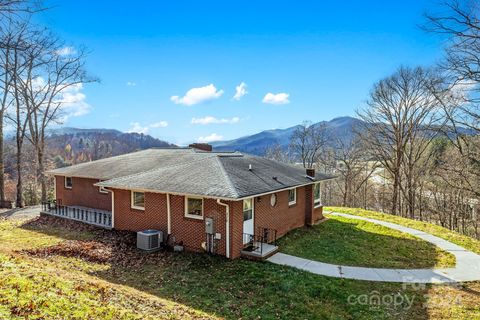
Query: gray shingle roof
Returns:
{"type": "Point", "coordinates": [187, 171]}
{"type": "Point", "coordinates": [127, 164]}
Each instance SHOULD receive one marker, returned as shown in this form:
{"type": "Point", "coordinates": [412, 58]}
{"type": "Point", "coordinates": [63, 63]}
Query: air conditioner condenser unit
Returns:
{"type": "Point", "coordinates": [149, 240]}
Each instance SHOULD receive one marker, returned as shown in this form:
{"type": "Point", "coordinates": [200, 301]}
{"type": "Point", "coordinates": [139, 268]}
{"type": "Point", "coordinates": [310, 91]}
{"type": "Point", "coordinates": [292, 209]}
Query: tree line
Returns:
{"type": "Point", "coordinates": [417, 151]}
{"type": "Point", "coordinates": [39, 72]}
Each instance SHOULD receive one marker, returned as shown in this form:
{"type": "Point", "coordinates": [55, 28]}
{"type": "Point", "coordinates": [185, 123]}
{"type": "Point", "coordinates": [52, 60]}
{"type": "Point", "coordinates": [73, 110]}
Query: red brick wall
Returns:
{"type": "Point", "coordinates": [317, 214]}
{"type": "Point", "coordinates": [281, 217]}
{"type": "Point", "coordinates": [189, 231]}
{"type": "Point", "coordinates": [309, 206]}
{"type": "Point", "coordinates": [153, 217]}
{"type": "Point", "coordinates": [83, 193]}
{"type": "Point", "coordinates": [236, 231]}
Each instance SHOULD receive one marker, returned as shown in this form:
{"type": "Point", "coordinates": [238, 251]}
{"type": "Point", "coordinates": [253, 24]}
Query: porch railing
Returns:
{"type": "Point", "coordinates": [92, 216]}
{"type": "Point", "coordinates": [256, 242]}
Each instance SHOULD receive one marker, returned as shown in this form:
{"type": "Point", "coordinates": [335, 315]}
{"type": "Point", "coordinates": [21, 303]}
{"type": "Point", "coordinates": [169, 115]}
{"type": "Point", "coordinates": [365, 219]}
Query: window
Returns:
{"type": "Point", "coordinates": [194, 208]}
{"type": "Point", "coordinates": [292, 196]}
{"type": "Point", "coordinates": [68, 182]}
{"type": "Point", "coordinates": [138, 200]}
{"type": "Point", "coordinates": [316, 194]}
{"type": "Point", "coordinates": [247, 209]}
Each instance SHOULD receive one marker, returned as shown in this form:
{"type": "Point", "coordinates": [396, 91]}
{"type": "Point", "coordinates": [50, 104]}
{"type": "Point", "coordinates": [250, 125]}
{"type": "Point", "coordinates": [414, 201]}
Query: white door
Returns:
{"type": "Point", "coordinates": [248, 213]}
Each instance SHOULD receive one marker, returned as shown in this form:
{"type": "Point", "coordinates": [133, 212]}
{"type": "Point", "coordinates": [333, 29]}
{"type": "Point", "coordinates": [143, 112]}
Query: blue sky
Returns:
{"type": "Point", "coordinates": [324, 55]}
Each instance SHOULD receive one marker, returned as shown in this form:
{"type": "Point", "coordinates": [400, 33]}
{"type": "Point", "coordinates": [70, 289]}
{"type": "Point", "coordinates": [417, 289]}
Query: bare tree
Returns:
{"type": "Point", "coordinates": [460, 22]}
{"type": "Point", "coordinates": [15, 8]}
{"type": "Point", "coordinates": [278, 153]}
{"type": "Point", "coordinates": [14, 15]}
{"type": "Point", "coordinates": [53, 71]}
{"type": "Point", "coordinates": [307, 142]}
{"type": "Point", "coordinates": [354, 169]}
{"type": "Point", "coordinates": [7, 43]}
{"type": "Point", "coordinates": [21, 112]}
{"type": "Point", "coordinates": [398, 108]}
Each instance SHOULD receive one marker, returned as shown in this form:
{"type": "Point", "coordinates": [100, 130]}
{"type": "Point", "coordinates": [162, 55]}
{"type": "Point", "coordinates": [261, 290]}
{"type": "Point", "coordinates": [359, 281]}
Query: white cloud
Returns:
{"type": "Point", "coordinates": [278, 98]}
{"type": "Point", "coordinates": [198, 95]}
{"type": "Point", "coordinates": [131, 83]}
{"type": "Point", "coordinates": [73, 102]}
{"type": "Point", "coordinates": [160, 124]}
{"type": "Point", "coordinates": [240, 91]}
{"type": "Point", "coordinates": [66, 51]}
{"type": "Point", "coordinates": [212, 120]}
{"type": "Point", "coordinates": [210, 138]}
{"type": "Point", "coordinates": [138, 128]}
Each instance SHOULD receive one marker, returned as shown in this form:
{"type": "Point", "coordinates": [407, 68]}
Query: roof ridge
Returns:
{"type": "Point", "coordinates": [155, 169]}
{"type": "Point", "coordinates": [117, 157]}
{"type": "Point", "coordinates": [227, 177]}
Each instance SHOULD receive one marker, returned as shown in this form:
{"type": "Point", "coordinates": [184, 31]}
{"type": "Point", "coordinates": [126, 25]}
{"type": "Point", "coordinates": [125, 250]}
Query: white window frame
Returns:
{"type": "Point", "coordinates": [193, 216]}
{"type": "Point", "coordinates": [317, 202]}
{"type": "Point", "coordinates": [294, 201]}
{"type": "Point", "coordinates": [132, 200]}
{"type": "Point", "coordinates": [65, 182]}
{"type": "Point", "coordinates": [252, 204]}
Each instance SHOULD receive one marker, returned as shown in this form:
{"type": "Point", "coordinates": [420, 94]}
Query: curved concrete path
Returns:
{"type": "Point", "coordinates": [467, 266]}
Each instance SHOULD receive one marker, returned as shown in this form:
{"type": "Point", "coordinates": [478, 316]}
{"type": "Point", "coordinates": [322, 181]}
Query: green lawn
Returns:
{"type": "Point", "coordinates": [452, 236]}
{"type": "Point", "coordinates": [164, 285]}
{"type": "Point", "coordinates": [360, 243]}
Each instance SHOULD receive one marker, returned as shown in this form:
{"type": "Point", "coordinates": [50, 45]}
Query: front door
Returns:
{"type": "Point", "coordinates": [248, 220]}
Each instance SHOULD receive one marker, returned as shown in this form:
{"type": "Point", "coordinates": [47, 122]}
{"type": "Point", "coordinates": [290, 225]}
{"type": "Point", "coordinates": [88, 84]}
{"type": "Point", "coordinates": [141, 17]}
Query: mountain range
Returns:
{"type": "Point", "coordinates": [258, 143]}
{"type": "Point", "coordinates": [72, 145]}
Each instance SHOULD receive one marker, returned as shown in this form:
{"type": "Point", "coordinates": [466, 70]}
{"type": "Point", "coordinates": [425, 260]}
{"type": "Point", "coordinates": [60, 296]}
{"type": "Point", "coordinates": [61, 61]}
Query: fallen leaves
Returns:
{"type": "Point", "coordinates": [107, 246]}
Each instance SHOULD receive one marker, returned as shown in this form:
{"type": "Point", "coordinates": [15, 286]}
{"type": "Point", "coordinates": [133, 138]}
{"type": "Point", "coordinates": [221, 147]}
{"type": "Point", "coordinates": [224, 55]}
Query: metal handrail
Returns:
{"type": "Point", "coordinates": [263, 235]}
{"type": "Point", "coordinates": [91, 216]}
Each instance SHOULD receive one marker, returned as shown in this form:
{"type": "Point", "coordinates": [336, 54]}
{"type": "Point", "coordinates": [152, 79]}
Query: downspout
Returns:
{"type": "Point", "coordinates": [113, 206]}
{"type": "Point", "coordinates": [169, 217]}
{"type": "Point", "coordinates": [55, 188]}
{"type": "Point", "coordinates": [227, 227]}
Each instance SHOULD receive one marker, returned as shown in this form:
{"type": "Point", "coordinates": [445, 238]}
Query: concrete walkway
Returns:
{"type": "Point", "coordinates": [20, 213]}
{"type": "Point", "coordinates": [467, 263]}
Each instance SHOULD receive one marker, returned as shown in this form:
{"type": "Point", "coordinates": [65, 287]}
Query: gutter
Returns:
{"type": "Point", "coordinates": [113, 206]}
{"type": "Point", "coordinates": [169, 215]}
{"type": "Point", "coordinates": [227, 227]}
{"type": "Point", "coordinates": [210, 196]}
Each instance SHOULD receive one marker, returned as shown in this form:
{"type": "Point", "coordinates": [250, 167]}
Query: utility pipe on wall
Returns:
{"type": "Point", "coordinates": [227, 227]}
{"type": "Point", "coordinates": [169, 213]}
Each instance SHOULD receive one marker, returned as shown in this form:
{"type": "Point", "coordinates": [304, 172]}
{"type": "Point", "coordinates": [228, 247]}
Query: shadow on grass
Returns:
{"type": "Point", "coordinates": [226, 288]}
{"type": "Point", "coordinates": [360, 243]}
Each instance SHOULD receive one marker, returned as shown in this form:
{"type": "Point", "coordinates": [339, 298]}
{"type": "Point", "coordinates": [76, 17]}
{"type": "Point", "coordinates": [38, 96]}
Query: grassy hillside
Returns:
{"type": "Point", "coordinates": [360, 243]}
{"type": "Point", "coordinates": [452, 236]}
{"type": "Point", "coordinates": [57, 269]}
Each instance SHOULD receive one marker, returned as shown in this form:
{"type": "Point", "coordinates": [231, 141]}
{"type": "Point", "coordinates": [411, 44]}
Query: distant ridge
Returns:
{"type": "Point", "coordinates": [340, 127]}
{"type": "Point", "coordinates": [69, 145]}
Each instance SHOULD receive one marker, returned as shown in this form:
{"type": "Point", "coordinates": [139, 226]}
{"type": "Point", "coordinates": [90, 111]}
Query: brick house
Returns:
{"type": "Point", "coordinates": [248, 199]}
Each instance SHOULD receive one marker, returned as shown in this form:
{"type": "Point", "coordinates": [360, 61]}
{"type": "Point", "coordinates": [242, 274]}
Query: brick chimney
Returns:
{"type": "Point", "coordinates": [310, 172]}
{"type": "Point", "coordinates": [201, 146]}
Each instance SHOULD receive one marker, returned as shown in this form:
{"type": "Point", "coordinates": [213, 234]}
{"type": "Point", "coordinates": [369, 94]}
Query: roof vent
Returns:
{"type": "Point", "coordinates": [274, 178]}
{"type": "Point", "coordinates": [250, 167]}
